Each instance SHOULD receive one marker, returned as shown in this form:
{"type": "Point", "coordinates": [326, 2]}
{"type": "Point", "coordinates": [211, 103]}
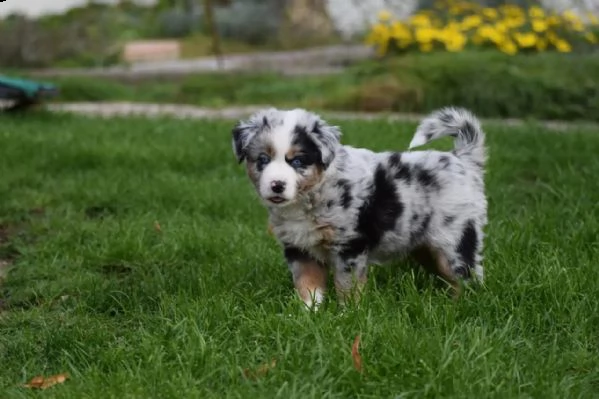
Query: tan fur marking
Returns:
{"type": "Point", "coordinates": [308, 182]}
{"type": "Point", "coordinates": [434, 261]}
{"type": "Point", "coordinates": [293, 151]}
{"type": "Point", "coordinates": [251, 172]}
{"type": "Point", "coordinates": [327, 233]}
{"type": "Point", "coordinates": [310, 277]}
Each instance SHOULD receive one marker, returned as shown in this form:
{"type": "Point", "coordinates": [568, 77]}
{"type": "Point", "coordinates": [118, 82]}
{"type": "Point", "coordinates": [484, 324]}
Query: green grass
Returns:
{"type": "Point", "coordinates": [129, 311]}
{"type": "Point", "coordinates": [494, 85]}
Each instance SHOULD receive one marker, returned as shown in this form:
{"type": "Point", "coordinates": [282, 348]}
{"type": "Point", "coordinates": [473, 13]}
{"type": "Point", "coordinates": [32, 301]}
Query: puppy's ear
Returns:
{"type": "Point", "coordinates": [245, 131]}
{"type": "Point", "coordinates": [327, 138]}
{"type": "Point", "coordinates": [240, 137]}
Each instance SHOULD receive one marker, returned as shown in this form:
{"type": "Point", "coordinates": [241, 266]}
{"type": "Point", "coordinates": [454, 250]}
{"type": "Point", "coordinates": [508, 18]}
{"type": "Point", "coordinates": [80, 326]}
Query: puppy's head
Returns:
{"type": "Point", "coordinates": [286, 152]}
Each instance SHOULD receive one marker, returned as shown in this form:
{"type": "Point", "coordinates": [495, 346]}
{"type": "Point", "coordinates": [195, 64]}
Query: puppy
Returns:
{"type": "Point", "coordinates": [332, 206]}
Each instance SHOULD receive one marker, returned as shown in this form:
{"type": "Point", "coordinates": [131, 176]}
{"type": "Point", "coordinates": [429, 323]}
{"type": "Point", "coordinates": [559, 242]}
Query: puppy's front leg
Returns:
{"type": "Point", "coordinates": [309, 276]}
{"type": "Point", "coordinates": [351, 273]}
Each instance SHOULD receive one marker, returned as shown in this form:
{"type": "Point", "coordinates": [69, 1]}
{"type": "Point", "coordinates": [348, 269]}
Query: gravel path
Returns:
{"type": "Point", "coordinates": [319, 60]}
{"type": "Point", "coordinates": [117, 109]}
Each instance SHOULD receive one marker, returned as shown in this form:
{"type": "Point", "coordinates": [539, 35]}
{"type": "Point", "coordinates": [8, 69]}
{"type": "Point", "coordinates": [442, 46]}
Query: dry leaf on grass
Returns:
{"type": "Point", "coordinates": [261, 371]}
{"type": "Point", "coordinates": [355, 354]}
{"type": "Point", "coordinates": [41, 382]}
{"type": "Point", "coordinates": [157, 226]}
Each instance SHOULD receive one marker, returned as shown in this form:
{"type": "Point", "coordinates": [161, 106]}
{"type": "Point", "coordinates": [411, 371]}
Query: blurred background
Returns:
{"type": "Point", "coordinates": [523, 58]}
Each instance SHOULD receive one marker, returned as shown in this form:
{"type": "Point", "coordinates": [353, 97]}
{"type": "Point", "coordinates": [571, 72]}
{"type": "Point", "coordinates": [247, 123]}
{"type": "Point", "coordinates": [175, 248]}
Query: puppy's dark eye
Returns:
{"type": "Point", "coordinates": [263, 159]}
{"type": "Point", "coordinates": [297, 162]}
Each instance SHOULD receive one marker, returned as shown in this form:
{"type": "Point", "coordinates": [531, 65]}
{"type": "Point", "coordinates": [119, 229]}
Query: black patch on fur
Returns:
{"type": "Point", "coordinates": [265, 122]}
{"type": "Point", "coordinates": [377, 215]}
{"type": "Point", "coordinates": [468, 132]}
{"type": "Point", "coordinates": [418, 232]}
{"type": "Point", "coordinates": [444, 162]}
{"type": "Point", "coordinates": [294, 254]}
{"type": "Point", "coordinates": [316, 129]}
{"type": "Point", "coordinates": [468, 245]}
{"type": "Point", "coordinates": [447, 220]}
{"type": "Point", "coordinates": [330, 204]}
{"type": "Point", "coordinates": [462, 272]}
{"type": "Point", "coordinates": [404, 173]}
{"type": "Point", "coordinates": [402, 170]}
{"type": "Point", "coordinates": [310, 152]}
{"type": "Point", "coordinates": [428, 137]}
{"type": "Point", "coordinates": [260, 166]}
{"type": "Point", "coordinates": [427, 179]}
{"type": "Point", "coordinates": [346, 197]}
{"type": "Point", "coordinates": [447, 118]}
{"type": "Point", "coordinates": [395, 160]}
{"type": "Point", "coordinates": [237, 132]}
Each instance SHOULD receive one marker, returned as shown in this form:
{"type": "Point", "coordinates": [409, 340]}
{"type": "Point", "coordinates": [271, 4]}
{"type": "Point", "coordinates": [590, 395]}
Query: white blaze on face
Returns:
{"type": "Point", "coordinates": [278, 170]}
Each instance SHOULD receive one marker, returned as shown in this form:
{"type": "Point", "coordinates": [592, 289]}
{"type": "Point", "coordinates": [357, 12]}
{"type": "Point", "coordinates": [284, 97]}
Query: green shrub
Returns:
{"type": "Point", "coordinates": [548, 86]}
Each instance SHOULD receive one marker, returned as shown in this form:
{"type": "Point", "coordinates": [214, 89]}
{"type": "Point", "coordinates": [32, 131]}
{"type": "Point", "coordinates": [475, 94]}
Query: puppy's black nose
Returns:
{"type": "Point", "coordinates": [277, 186]}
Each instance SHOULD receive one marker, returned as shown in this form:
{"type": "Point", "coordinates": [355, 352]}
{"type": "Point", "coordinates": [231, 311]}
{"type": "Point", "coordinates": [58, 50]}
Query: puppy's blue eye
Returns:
{"type": "Point", "coordinates": [296, 163]}
{"type": "Point", "coordinates": [263, 159]}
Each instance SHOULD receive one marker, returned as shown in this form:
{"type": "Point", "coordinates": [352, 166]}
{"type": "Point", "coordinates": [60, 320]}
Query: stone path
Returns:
{"type": "Point", "coordinates": [319, 60]}
{"type": "Point", "coordinates": [117, 109]}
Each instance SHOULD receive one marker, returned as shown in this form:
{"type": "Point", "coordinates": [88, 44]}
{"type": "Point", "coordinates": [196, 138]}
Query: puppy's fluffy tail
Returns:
{"type": "Point", "coordinates": [458, 123]}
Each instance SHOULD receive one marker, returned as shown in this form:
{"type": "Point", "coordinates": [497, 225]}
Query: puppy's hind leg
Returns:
{"type": "Point", "coordinates": [458, 262]}
{"type": "Point", "coordinates": [435, 261]}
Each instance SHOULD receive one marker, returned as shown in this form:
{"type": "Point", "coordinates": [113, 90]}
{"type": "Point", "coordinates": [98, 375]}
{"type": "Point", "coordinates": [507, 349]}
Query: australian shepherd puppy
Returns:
{"type": "Point", "coordinates": [340, 208]}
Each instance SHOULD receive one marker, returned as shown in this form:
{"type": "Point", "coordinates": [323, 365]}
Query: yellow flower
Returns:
{"type": "Point", "coordinates": [471, 21]}
{"type": "Point", "coordinates": [501, 27]}
{"type": "Point", "coordinates": [552, 37]}
{"type": "Point", "coordinates": [570, 16]}
{"type": "Point", "coordinates": [400, 31]}
{"type": "Point", "coordinates": [591, 37]}
{"type": "Point", "coordinates": [525, 40]}
{"type": "Point", "coordinates": [490, 13]}
{"type": "Point", "coordinates": [539, 25]}
{"type": "Point", "coordinates": [378, 35]}
{"type": "Point", "coordinates": [508, 47]}
{"type": "Point", "coordinates": [420, 20]}
{"type": "Point", "coordinates": [425, 35]}
{"type": "Point", "coordinates": [563, 46]}
{"type": "Point", "coordinates": [385, 15]}
{"type": "Point", "coordinates": [536, 12]}
{"type": "Point", "coordinates": [455, 42]}
{"type": "Point", "coordinates": [553, 20]}
{"type": "Point", "coordinates": [593, 19]}
{"type": "Point", "coordinates": [511, 10]}
{"type": "Point", "coordinates": [541, 44]}
{"type": "Point", "coordinates": [490, 33]}
{"type": "Point", "coordinates": [578, 26]}
{"type": "Point", "coordinates": [514, 22]}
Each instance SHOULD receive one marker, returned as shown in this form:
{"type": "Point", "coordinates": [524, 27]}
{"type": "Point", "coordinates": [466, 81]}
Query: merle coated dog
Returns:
{"type": "Point", "coordinates": [337, 207]}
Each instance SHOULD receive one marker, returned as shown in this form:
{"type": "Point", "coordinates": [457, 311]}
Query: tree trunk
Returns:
{"type": "Point", "coordinates": [212, 28]}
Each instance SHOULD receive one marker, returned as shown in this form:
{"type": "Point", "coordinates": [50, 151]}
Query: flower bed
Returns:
{"type": "Point", "coordinates": [458, 25]}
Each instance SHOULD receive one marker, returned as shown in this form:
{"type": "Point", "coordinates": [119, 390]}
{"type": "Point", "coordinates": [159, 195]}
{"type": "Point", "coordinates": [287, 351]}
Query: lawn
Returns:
{"type": "Point", "coordinates": [143, 268]}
